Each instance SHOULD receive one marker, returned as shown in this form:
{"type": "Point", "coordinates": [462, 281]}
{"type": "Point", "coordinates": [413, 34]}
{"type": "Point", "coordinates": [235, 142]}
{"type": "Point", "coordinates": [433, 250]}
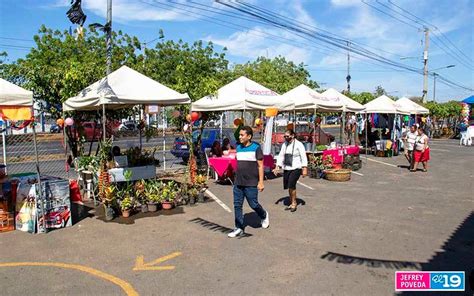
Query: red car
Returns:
{"type": "Point", "coordinates": [57, 218]}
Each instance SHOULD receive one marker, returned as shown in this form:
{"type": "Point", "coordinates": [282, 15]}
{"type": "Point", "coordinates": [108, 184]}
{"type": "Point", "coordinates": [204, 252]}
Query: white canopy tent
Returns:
{"type": "Point", "coordinates": [411, 107]}
{"type": "Point", "coordinates": [384, 105]}
{"type": "Point", "coordinates": [13, 95]}
{"type": "Point", "coordinates": [349, 105]}
{"type": "Point", "coordinates": [242, 94]}
{"type": "Point", "coordinates": [125, 88]}
{"type": "Point", "coordinates": [306, 98]}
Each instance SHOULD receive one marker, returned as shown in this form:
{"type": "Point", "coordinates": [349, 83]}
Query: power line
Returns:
{"type": "Point", "coordinates": [16, 39]}
{"type": "Point", "coordinates": [390, 15]}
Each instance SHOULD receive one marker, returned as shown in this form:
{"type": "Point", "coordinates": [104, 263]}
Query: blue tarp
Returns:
{"type": "Point", "coordinates": [469, 100]}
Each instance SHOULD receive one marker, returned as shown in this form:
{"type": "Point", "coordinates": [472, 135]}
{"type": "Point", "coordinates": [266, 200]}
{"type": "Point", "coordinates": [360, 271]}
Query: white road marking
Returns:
{"type": "Point", "coordinates": [304, 185]}
{"type": "Point", "coordinates": [358, 173]}
{"type": "Point", "coordinates": [216, 199]}
{"type": "Point", "coordinates": [378, 161]}
{"type": "Point", "coordinates": [442, 150]}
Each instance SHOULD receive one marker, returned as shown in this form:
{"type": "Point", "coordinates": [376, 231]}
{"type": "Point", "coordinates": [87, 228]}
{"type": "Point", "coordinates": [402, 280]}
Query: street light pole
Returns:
{"type": "Point", "coordinates": [108, 28]}
{"type": "Point", "coordinates": [434, 79]}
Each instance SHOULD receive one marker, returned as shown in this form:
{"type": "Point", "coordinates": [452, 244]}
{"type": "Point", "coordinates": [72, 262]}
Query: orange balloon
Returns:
{"type": "Point", "coordinates": [258, 121]}
{"type": "Point", "coordinates": [194, 116]}
{"type": "Point", "coordinates": [290, 126]}
{"type": "Point", "coordinates": [237, 121]}
{"type": "Point", "coordinates": [60, 122]}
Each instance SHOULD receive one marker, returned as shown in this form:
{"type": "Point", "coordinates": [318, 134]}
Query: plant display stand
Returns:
{"type": "Point", "coordinates": [138, 173]}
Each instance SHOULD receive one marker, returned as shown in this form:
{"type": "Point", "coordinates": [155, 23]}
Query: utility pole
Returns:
{"type": "Point", "coordinates": [348, 77]}
{"type": "Point", "coordinates": [434, 86]}
{"type": "Point", "coordinates": [108, 31]}
{"type": "Point", "coordinates": [425, 65]}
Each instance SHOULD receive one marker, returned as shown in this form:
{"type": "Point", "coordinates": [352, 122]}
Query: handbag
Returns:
{"type": "Point", "coordinates": [288, 158]}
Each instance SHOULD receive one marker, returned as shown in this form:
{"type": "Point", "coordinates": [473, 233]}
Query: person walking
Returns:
{"type": "Point", "coordinates": [410, 139]}
{"type": "Point", "coordinates": [248, 180]}
{"type": "Point", "coordinates": [293, 160]}
{"type": "Point", "coordinates": [422, 151]}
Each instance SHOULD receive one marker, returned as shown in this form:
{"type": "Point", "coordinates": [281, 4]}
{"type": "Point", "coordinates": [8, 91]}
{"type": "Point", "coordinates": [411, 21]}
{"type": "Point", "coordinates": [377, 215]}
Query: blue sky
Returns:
{"type": "Point", "coordinates": [246, 40]}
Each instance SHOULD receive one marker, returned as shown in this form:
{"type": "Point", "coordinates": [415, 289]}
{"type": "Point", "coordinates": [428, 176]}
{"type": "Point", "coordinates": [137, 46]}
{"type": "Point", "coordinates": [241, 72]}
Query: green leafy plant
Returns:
{"type": "Point", "coordinates": [169, 191]}
{"type": "Point", "coordinates": [321, 147]}
{"type": "Point", "coordinates": [126, 204]}
{"type": "Point", "coordinates": [153, 190]}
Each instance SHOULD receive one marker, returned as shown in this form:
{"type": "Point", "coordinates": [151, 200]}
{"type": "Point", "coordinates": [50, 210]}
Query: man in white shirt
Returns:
{"type": "Point", "coordinates": [293, 160]}
{"type": "Point", "coordinates": [410, 139]}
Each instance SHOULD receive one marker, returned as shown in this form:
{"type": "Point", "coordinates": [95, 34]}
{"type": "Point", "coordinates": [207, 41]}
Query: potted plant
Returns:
{"type": "Point", "coordinates": [104, 178]}
{"type": "Point", "coordinates": [153, 194]}
{"type": "Point", "coordinates": [168, 195]}
{"type": "Point", "coordinates": [193, 193]}
{"type": "Point", "coordinates": [139, 188]}
{"type": "Point", "coordinates": [201, 184]}
{"type": "Point", "coordinates": [109, 198]}
{"type": "Point", "coordinates": [126, 206]}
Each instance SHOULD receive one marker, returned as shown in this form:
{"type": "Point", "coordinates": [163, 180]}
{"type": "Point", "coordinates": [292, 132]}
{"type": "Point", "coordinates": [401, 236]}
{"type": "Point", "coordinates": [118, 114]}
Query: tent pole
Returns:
{"type": "Point", "coordinates": [314, 131]}
{"type": "Point", "coordinates": [4, 146]}
{"type": "Point", "coordinates": [164, 139]}
{"type": "Point", "coordinates": [222, 115]}
{"type": "Point", "coordinates": [141, 132]}
{"type": "Point", "coordinates": [366, 138]}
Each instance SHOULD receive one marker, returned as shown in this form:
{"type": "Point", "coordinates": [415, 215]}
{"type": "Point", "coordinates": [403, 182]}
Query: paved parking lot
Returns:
{"type": "Point", "coordinates": [345, 239]}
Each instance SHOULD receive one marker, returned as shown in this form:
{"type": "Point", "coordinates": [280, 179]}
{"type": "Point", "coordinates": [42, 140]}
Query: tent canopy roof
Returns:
{"type": "Point", "coordinates": [348, 103]}
{"type": "Point", "coordinates": [469, 100]}
{"type": "Point", "coordinates": [123, 88]}
{"type": "Point", "coordinates": [305, 97]}
{"type": "Point", "coordinates": [242, 94]}
{"type": "Point", "coordinates": [13, 95]}
{"type": "Point", "coordinates": [385, 105]}
{"type": "Point", "coordinates": [412, 107]}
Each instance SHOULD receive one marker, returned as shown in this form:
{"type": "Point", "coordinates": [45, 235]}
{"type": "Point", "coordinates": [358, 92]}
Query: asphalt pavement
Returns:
{"type": "Point", "coordinates": [345, 239]}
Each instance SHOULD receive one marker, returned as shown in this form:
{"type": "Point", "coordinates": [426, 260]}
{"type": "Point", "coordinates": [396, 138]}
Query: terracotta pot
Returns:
{"type": "Point", "coordinates": [126, 213]}
{"type": "Point", "coordinates": [167, 205]}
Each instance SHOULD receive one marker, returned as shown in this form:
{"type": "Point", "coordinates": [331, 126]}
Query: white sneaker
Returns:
{"type": "Point", "coordinates": [266, 221]}
{"type": "Point", "coordinates": [236, 232]}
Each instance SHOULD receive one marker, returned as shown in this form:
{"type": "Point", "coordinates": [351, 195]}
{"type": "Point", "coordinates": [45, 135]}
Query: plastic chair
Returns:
{"type": "Point", "coordinates": [207, 152]}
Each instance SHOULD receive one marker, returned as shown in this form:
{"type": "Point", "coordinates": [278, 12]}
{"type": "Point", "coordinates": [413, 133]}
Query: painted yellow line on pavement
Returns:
{"type": "Point", "coordinates": [140, 264]}
{"type": "Point", "coordinates": [126, 287]}
{"type": "Point", "coordinates": [378, 161]}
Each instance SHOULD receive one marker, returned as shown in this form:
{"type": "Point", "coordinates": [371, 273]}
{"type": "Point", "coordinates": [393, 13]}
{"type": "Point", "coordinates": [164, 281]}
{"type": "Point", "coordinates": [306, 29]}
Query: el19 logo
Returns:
{"type": "Point", "coordinates": [447, 281]}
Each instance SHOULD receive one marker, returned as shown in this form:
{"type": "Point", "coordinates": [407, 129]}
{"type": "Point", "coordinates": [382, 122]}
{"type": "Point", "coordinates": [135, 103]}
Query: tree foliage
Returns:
{"type": "Point", "coordinates": [444, 110]}
{"type": "Point", "coordinates": [277, 74]}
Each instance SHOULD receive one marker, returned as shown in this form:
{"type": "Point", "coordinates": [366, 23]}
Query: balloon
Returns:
{"type": "Point", "coordinates": [290, 126]}
{"type": "Point", "coordinates": [69, 121]}
{"type": "Point", "coordinates": [188, 118]}
{"type": "Point", "coordinates": [258, 121]}
{"type": "Point", "coordinates": [60, 122]}
{"type": "Point", "coordinates": [194, 116]}
{"type": "Point", "coordinates": [237, 121]}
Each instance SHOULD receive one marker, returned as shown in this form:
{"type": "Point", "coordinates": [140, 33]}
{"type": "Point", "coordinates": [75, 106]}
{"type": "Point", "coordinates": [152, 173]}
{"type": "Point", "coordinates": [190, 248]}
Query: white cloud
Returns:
{"type": "Point", "coordinates": [254, 43]}
{"type": "Point", "coordinates": [345, 3]}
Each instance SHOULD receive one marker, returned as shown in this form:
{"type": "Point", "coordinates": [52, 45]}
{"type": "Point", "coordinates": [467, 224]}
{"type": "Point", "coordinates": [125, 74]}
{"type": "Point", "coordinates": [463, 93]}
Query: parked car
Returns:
{"type": "Point", "coordinates": [332, 120]}
{"type": "Point", "coordinates": [55, 129]}
{"type": "Point", "coordinates": [209, 135]}
{"type": "Point", "coordinates": [128, 126]}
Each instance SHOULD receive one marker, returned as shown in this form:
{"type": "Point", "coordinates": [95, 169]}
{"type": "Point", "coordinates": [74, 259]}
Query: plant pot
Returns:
{"type": "Point", "coordinates": [192, 200]}
{"type": "Point", "coordinates": [144, 208]}
{"type": "Point", "coordinates": [201, 197]}
{"type": "Point", "coordinates": [126, 213]}
{"type": "Point", "coordinates": [152, 206]}
{"type": "Point", "coordinates": [317, 174]}
{"type": "Point", "coordinates": [109, 213]}
{"type": "Point", "coordinates": [167, 205]}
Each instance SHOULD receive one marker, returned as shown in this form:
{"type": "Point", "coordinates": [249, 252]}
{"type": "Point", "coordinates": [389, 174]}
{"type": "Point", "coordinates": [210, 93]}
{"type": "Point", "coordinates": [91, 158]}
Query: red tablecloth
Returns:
{"type": "Point", "coordinates": [222, 164]}
{"type": "Point", "coordinates": [337, 154]}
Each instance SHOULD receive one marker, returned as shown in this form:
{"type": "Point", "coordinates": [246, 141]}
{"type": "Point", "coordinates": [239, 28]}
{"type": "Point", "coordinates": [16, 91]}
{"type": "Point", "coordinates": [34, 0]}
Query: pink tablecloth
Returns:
{"type": "Point", "coordinates": [222, 164]}
{"type": "Point", "coordinates": [337, 154]}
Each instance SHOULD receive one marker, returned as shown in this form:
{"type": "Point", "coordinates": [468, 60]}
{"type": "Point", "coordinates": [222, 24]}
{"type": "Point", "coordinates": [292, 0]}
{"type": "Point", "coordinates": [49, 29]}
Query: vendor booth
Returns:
{"type": "Point", "coordinates": [385, 125]}
{"type": "Point", "coordinates": [125, 88]}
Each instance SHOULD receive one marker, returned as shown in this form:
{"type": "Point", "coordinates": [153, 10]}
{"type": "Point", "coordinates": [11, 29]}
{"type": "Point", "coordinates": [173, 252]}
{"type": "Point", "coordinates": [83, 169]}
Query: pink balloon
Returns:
{"type": "Point", "coordinates": [69, 121]}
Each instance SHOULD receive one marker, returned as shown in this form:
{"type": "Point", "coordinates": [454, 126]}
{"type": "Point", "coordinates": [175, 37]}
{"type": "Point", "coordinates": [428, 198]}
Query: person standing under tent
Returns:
{"type": "Point", "coordinates": [248, 180]}
{"type": "Point", "coordinates": [422, 151]}
{"type": "Point", "coordinates": [409, 143]}
{"type": "Point", "coordinates": [293, 160]}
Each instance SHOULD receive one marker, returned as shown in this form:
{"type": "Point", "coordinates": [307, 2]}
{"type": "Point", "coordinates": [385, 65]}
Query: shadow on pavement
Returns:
{"type": "Point", "coordinates": [457, 255]}
{"type": "Point", "coordinates": [215, 227]}
{"type": "Point", "coordinates": [99, 213]}
{"type": "Point", "coordinates": [286, 201]}
{"type": "Point", "coordinates": [79, 212]}
{"type": "Point", "coordinates": [370, 262]}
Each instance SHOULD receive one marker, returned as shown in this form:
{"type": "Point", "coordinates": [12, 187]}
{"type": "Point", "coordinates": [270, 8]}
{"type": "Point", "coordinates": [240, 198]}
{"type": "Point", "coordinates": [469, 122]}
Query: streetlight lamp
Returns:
{"type": "Point", "coordinates": [434, 79]}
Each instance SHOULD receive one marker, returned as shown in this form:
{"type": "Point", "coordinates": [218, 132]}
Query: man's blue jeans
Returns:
{"type": "Point", "coordinates": [251, 194]}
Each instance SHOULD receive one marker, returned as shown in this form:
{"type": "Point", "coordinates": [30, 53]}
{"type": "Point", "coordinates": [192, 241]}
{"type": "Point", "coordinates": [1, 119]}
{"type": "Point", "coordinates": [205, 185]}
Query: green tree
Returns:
{"type": "Point", "coordinates": [379, 91]}
{"type": "Point", "coordinates": [277, 74]}
{"type": "Point", "coordinates": [362, 98]}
